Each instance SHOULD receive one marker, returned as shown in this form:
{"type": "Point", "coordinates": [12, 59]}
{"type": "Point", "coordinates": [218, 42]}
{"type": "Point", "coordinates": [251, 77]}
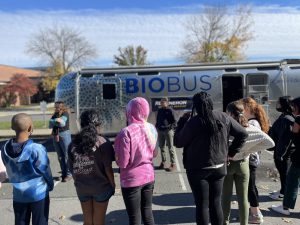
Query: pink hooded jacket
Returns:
{"type": "Point", "coordinates": [135, 146]}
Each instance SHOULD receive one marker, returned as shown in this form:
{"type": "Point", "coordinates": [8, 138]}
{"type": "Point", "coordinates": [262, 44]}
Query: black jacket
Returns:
{"type": "Point", "coordinates": [165, 119]}
{"type": "Point", "coordinates": [281, 133]}
{"type": "Point", "coordinates": [199, 151]}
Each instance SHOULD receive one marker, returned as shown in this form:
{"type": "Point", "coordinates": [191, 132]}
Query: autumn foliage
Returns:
{"type": "Point", "coordinates": [19, 86]}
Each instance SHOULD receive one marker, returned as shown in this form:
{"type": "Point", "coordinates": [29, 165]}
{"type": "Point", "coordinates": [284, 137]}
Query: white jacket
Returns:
{"type": "Point", "coordinates": [256, 141]}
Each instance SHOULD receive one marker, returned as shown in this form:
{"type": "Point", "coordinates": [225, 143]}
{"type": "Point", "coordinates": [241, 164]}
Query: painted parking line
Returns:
{"type": "Point", "coordinates": [56, 182]}
{"type": "Point", "coordinates": [181, 180]}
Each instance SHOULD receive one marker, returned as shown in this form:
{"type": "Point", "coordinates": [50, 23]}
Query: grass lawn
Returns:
{"type": "Point", "coordinates": [39, 124]}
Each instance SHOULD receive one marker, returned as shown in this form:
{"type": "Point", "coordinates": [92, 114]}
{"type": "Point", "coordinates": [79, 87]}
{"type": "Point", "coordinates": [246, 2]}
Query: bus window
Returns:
{"type": "Point", "coordinates": [109, 91]}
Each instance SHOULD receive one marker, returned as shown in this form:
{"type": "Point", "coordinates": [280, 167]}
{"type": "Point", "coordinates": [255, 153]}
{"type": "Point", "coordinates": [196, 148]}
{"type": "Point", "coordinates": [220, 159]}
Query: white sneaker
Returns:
{"type": "Point", "coordinates": [276, 196]}
{"type": "Point", "coordinates": [281, 210]}
{"type": "Point", "coordinates": [274, 192]}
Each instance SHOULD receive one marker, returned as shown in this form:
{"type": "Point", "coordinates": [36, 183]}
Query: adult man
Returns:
{"type": "Point", "coordinates": [165, 122]}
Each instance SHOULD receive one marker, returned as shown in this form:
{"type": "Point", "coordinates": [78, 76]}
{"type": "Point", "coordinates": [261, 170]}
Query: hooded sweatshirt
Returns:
{"type": "Point", "coordinates": [2, 171]}
{"type": "Point", "coordinates": [29, 172]}
{"type": "Point", "coordinates": [135, 146]}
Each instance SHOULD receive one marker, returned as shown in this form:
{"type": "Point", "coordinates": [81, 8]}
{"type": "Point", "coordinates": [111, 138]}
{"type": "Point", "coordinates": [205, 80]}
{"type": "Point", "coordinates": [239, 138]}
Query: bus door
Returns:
{"type": "Point", "coordinates": [257, 87]}
{"type": "Point", "coordinates": [232, 88]}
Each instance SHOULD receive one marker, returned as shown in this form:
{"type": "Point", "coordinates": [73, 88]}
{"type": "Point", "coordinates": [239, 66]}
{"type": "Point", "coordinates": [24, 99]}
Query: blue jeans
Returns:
{"type": "Point", "coordinates": [61, 148]}
{"type": "Point", "coordinates": [103, 197]}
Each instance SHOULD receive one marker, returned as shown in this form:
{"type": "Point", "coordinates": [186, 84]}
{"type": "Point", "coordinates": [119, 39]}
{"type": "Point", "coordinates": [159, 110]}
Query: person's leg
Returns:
{"type": "Point", "coordinates": [161, 143]}
{"type": "Point", "coordinates": [227, 192]}
{"type": "Point", "coordinates": [87, 210]}
{"type": "Point", "coordinates": [132, 200]}
{"type": "Point", "coordinates": [40, 211]}
{"type": "Point", "coordinates": [292, 185]}
{"type": "Point", "coordinates": [146, 204]}
{"type": "Point", "coordinates": [200, 190]}
{"type": "Point", "coordinates": [241, 184]}
{"type": "Point", "coordinates": [252, 190]}
{"type": "Point", "coordinates": [169, 142]}
{"type": "Point", "coordinates": [60, 155]}
{"type": "Point", "coordinates": [253, 198]}
{"type": "Point", "coordinates": [64, 141]}
{"type": "Point", "coordinates": [22, 213]}
{"type": "Point", "coordinates": [99, 212]}
{"type": "Point", "coordinates": [281, 166]}
{"type": "Point", "coordinates": [216, 180]}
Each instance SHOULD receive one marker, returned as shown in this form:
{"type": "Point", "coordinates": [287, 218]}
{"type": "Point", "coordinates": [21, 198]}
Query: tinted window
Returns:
{"type": "Point", "coordinates": [109, 91]}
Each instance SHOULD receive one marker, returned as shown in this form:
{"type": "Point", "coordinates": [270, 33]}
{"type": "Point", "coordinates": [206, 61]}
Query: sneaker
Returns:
{"type": "Point", "coordinates": [172, 168]}
{"type": "Point", "coordinates": [276, 196]}
{"type": "Point", "coordinates": [255, 218]}
{"type": "Point", "coordinates": [162, 166]}
{"type": "Point", "coordinates": [281, 210]}
{"type": "Point", "coordinates": [66, 179]}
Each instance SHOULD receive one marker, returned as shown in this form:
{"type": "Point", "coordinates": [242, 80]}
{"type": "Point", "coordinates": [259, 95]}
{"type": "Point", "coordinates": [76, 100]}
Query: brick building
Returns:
{"type": "Point", "coordinates": [6, 72]}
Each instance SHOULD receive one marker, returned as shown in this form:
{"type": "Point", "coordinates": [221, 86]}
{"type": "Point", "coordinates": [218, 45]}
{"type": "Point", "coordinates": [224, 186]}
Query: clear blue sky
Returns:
{"type": "Point", "coordinates": [13, 5]}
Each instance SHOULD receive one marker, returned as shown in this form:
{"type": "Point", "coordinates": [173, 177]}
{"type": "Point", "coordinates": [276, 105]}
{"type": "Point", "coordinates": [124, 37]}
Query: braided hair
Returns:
{"type": "Point", "coordinates": [203, 105]}
{"type": "Point", "coordinates": [86, 139]}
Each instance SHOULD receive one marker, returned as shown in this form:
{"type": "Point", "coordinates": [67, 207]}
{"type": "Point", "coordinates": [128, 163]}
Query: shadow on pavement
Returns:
{"type": "Point", "coordinates": [174, 199]}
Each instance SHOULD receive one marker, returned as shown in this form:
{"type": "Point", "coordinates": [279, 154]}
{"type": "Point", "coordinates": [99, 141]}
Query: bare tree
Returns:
{"type": "Point", "coordinates": [61, 46]}
{"type": "Point", "coordinates": [216, 35]}
{"type": "Point", "coordinates": [131, 56]}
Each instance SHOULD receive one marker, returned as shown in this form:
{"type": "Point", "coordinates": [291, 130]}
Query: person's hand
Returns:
{"type": "Point", "coordinates": [228, 160]}
{"type": "Point", "coordinates": [58, 120]}
{"type": "Point", "coordinates": [187, 115]}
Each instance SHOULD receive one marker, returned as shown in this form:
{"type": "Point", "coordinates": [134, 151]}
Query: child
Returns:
{"type": "Point", "coordinates": [135, 148]}
{"type": "Point", "coordinates": [90, 160]}
{"type": "Point", "coordinates": [28, 170]}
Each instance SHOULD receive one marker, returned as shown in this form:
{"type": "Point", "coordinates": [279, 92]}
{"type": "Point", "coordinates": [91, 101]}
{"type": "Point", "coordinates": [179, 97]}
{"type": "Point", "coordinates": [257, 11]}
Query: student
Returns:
{"type": "Point", "coordinates": [293, 176]}
{"type": "Point", "coordinates": [90, 160]}
{"type": "Point", "coordinates": [165, 123]}
{"type": "Point", "coordinates": [28, 170]}
{"type": "Point", "coordinates": [257, 117]}
{"type": "Point", "coordinates": [281, 133]}
{"type": "Point", "coordinates": [135, 147]}
{"type": "Point", "coordinates": [204, 138]}
{"type": "Point", "coordinates": [238, 166]}
{"type": "Point", "coordinates": [59, 123]}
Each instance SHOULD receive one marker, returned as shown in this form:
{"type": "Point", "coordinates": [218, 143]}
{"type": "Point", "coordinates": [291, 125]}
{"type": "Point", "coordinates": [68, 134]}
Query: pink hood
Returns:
{"type": "Point", "coordinates": [135, 145]}
{"type": "Point", "coordinates": [137, 110]}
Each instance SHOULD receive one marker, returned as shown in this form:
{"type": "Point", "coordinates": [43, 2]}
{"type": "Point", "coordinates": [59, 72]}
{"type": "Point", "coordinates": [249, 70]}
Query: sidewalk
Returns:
{"type": "Point", "coordinates": [30, 112]}
{"type": "Point", "coordinates": [36, 133]}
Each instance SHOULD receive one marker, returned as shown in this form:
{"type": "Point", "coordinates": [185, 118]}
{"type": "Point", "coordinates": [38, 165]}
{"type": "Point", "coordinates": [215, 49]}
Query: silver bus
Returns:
{"type": "Point", "coordinates": [108, 90]}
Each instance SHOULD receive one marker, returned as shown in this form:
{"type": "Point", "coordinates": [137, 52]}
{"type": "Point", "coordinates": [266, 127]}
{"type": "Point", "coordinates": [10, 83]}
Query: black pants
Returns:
{"type": "Point", "coordinates": [282, 167]}
{"type": "Point", "coordinates": [138, 202]}
{"type": "Point", "coordinates": [252, 189]}
{"type": "Point", "coordinates": [39, 211]}
{"type": "Point", "coordinates": [206, 185]}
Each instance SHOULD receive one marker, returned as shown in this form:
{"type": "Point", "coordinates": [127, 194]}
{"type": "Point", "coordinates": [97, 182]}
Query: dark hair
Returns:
{"type": "Point", "coordinates": [296, 102]}
{"type": "Point", "coordinates": [236, 109]}
{"type": "Point", "coordinates": [85, 140]}
{"type": "Point", "coordinates": [286, 104]}
{"type": "Point", "coordinates": [203, 105]}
